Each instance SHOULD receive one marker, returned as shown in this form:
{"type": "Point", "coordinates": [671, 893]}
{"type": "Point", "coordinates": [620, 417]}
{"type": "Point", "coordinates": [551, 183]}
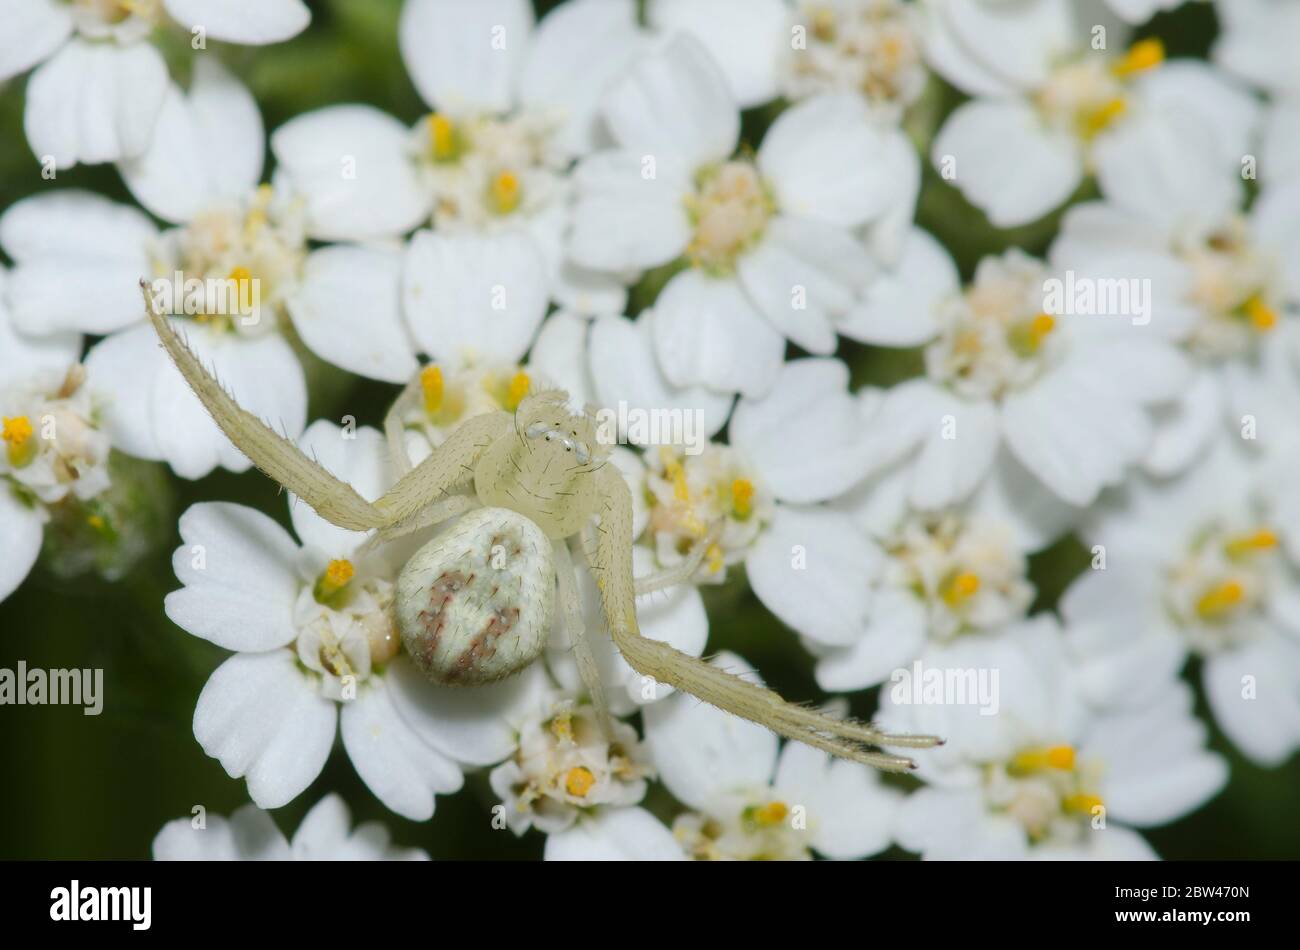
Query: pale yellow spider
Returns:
{"type": "Point", "coordinates": [475, 603]}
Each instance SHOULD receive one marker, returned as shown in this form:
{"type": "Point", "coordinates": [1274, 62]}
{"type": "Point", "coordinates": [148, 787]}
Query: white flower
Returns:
{"type": "Point", "coordinates": [70, 246]}
{"type": "Point", "coordinates": [1221, 286]}
{"type": "Point", "coordinates": [488, 167]}
{"type": "Point", "coordinates": [1052, 107]}
{"type": "Point", "coordinates": [565, 766]}
{"type": "Point", "coordinates": [614, 834]}
{"type": "Point", "coordinates": [921, 577]}
{"type": "Point", "coordinates": [52, 451]}
{"type": "Point", "coordinates": [749, 802]}
{"type": "Point", "coordinates": [1207, 564]}
{"type": "Point", "coordinates": [250, 835]}
{"type": "Point", "coordinates": [311, 629]}
{"type": "Point", "coordinates": [769, 243]}
{"type": "Point", "coordinates": [1256, 41]}
{"type": "Point", "coordinates": [1042, 777]}
{"type": "Point", "coordinates": [800, 48]}
{"type": "Point", "coordinates": [1069, 396]}
{"type": "Point", "coordinates": [99, 85]}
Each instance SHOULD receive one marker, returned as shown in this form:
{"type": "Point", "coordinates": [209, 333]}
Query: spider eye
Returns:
{"type": "Point", "coordinates": [535, 430]}
{"type": "Point", "coordinates": [582, 453]}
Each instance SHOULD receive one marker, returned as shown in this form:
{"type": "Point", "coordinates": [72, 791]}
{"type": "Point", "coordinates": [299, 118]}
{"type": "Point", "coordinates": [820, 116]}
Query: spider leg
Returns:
{"type": "Point", "coordinates": [333, 499]}
{"type": "Point", "coordinates": [439, 511]}
{"type": "Point", "coordinates": [681, 572]}
{"type": "Point", "coordinates": [449, 469]}
{"type": "Point", "coordinates": [393, 427]}
{"type": "Point", "coordinates": [571, 604]}
{"type": "Point", "coordinates": [613, 565]}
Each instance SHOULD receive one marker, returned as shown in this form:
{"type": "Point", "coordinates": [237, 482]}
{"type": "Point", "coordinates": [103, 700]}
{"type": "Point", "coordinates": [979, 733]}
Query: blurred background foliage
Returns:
{"type": "Point", "coordinates": [101, 787]}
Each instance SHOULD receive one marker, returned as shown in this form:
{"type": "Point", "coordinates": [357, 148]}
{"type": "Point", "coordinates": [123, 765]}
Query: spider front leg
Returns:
{"type": "Point", "coordinates": [571, 605]}
{"type": "Point", "coordinates": [683, 571]}
{"type": "Point", "coordinates": [334, 500]}
{"type": "Point", "coordinates": [394, 428]}
{"type": "Point", "coordinates": [613, 568]}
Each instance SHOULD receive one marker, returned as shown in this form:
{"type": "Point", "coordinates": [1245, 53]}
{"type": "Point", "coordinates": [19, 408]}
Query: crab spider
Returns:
{"type": "Point", "coordinates": [475, 603]}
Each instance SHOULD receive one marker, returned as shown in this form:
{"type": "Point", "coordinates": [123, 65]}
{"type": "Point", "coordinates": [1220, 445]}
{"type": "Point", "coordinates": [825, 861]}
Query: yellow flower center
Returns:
{"type": "Point", "coordinates": [444, 139]}
{"type": "Point", "coordinates": [1261, 316]}
{"type": "Point", "coordinates": [331, 586]}
{"type": "Point", "coordinates": [1141, 57]}
{"type": "Point", "coordinates": [960, 588]}
{"type": "Point", "coordinates": [1059, 757]}
{"type": "Point", "coordinates": [431, 385]}
{"type": "Point", "coordinates": [1261, 540]}
{"type": "Point", "coordinates": [773, 813]}
{"type": "Point", "coordinates": [504, 194]}
{"type": "Point", "coordinates": [742, 497]}
{"type": "Point", "coordinates": [578, 781]}
{"type": "Point", "coordinates": [1221, 599]}
{"type": "Point", "coordinates": [517, 390]}
{"type": "Point", "coordinates": [19, 445]}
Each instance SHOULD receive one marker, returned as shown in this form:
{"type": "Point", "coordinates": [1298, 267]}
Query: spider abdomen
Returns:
{"type": "Point", "coordinates": [474, 604]}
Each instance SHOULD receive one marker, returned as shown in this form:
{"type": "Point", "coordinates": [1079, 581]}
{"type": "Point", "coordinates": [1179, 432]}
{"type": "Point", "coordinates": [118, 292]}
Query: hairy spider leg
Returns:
{"type": "Point", "coordinates": [613, 567]}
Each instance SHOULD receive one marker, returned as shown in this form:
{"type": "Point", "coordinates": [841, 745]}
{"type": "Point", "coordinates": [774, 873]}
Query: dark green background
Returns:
{"type": "Point", "coordinates": [101, 787]}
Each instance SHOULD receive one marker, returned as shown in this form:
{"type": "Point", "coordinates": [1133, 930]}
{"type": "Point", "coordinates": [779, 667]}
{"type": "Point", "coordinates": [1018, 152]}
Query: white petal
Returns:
{"type": "Point", "coordinates": [1165, 168]}
{"type": "Point", "coordinates": [948, 469]}
{"type": "Point", "coordinates": [702, 752]}
{"type": "Point", "coordinates": [898, 308]}
{"type": "Point", "coordinates": [890, 641]}
{"type": "Point", "coordinates": [559, 355]}
{"type": "Point", "coordinates": [249, 835]}
{"type": "Point", "coordinates": [237, 568]}
{"type": "Point", "coordinates": [805, 435]}
{"type": "Point", "coordinates": [347, 308]}
{"type": "Point", "coordinates": [33, 30]}
{"type": "Point", "coordinates": [1020, 41]}
{"type": "Point", "coordinates": [250, 22]}
{"type": "Point", "coordinates": [208, 145]}
{"type": "Point", "coordinates": [851, 814]}
{"type": "Point", "coordinates": [464, 55]}
{"type": "Point", "coordinates": [401, 769]}
{"type": "Point", "coordinates": [744, 37]}
{"type": "Point", "coordinates": [120, 371]}
{"type": "Point", "coordinates": [947, 54]}
{"type": "Point", "coordinates": [813, 569]}
{"type": "Point", "coordinates": [675, 102]}
{"type": "Point", "coordinates": [473, 726]}
{"type": "Point", "coordinates": [803, 276]}
{"type": "Point", "coordinates": [575, 54]}
{"type": "Point", "coordinates": [1006, 163]}
{"type": "Point", "coordinates": [625, 218]}
{"type": "Point", "coordinates": [1185, 428]}
{"type": "Point", "coordinates": [823, 159]}
{"type": "Point", "coordinates": [1106, 429]}
{"type": "Point", "coordinates": [350, 165]}
{"type": "Point", "coordinates": [615, 834]}
{"type": "Point", "coordinates": [95, 102]}
{"type": "Point", "coordinates": [70, 247]}
{"type": "Point", "coordinates": [627, 381]}
{"type": "Point", "coordinates": [22, 529]}
{"type": "Point", "coordinates": [358, 457]}
{"type": "Point", "coordinates": [474, 297]}
{"type": "Point", "coordinates": [259, 717]}
{"type": "Point", "coordinates": [708, 333]}
{"type": "Point", "coordinates": [263, 375]}
{"type": "Point", "coordinates": [1264, 722]}
{"type": "Point", "coordinates": [22, 356]}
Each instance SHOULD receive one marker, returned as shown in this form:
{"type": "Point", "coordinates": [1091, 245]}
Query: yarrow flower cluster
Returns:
{"type": "Point", "coordinates": [667, 309]}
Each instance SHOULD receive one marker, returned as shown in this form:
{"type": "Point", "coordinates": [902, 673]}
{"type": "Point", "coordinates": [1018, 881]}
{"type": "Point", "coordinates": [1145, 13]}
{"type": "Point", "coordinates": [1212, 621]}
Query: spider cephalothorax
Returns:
{"type": "Point", "coordinates": [475, 603]}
